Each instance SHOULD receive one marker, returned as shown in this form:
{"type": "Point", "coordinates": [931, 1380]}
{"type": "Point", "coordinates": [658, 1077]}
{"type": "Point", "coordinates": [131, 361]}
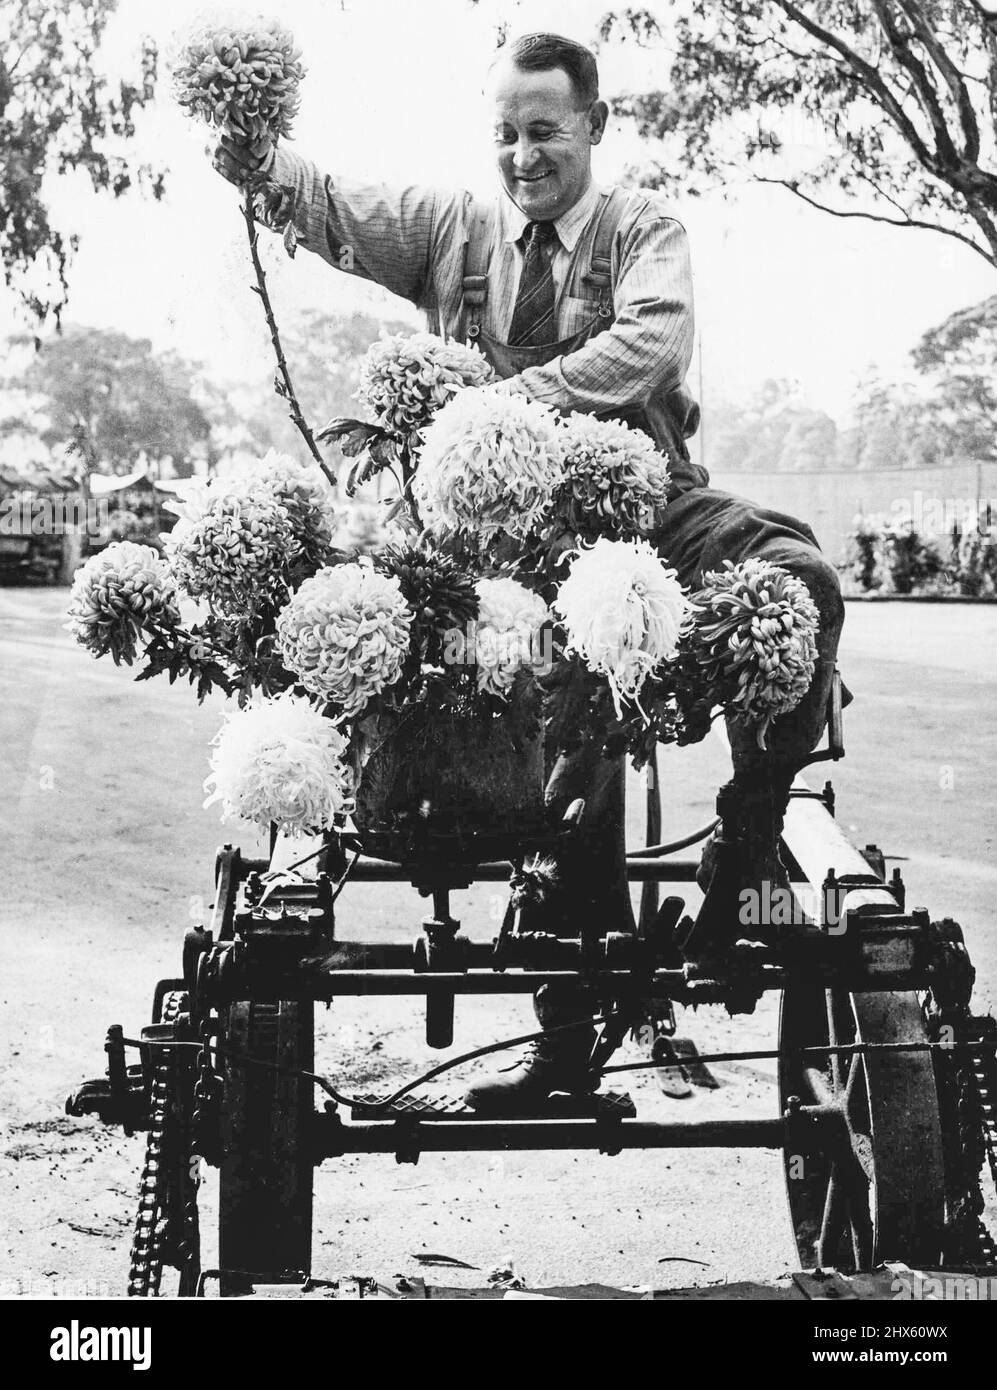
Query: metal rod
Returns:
{"type": "Point", "coordinates": [497, 871]}
{"type": "Point", "coordinates": [266, 985]}
{"type": "Point", "coordinates": [455, 1136]}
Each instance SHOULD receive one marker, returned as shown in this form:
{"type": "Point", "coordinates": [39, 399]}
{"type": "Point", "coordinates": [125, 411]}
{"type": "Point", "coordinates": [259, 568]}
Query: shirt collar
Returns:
{"type": "Point", "coordinates": [569, 226]}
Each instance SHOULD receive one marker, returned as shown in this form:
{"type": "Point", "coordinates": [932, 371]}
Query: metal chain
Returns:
{"type": "Point", "coordinates": [981, 1074]}
{"type": "Point", "coordinates": [152, 1218]}
{"type": "Point", "coordinates": [146, 1267]}
{"type": "Point", "coordinates": [968, 1074]}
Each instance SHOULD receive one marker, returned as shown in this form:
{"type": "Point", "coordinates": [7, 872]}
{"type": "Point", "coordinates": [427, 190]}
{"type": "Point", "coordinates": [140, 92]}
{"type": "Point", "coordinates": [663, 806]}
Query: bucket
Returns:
{"type": "Point", "coordinates": [448, 770]}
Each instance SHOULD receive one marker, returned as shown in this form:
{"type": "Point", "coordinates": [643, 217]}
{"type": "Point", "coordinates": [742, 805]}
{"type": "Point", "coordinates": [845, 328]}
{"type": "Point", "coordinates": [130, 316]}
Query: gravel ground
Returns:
{"type": "Point", "coordinates": [109, 857]}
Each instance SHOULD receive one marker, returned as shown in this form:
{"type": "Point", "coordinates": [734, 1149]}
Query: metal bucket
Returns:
{"type": "Point", "coordinates": [445, 770]}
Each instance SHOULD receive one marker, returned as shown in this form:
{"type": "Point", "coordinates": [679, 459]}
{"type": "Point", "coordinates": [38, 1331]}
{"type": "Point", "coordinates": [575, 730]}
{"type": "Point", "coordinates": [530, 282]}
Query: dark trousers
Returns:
{"type": "Point", "coordinates": [702, 528]}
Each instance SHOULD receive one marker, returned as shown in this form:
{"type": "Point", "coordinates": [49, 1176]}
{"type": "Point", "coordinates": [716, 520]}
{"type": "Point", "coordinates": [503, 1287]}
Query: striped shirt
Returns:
{"type": "Point", "coordinates": [411, 240]}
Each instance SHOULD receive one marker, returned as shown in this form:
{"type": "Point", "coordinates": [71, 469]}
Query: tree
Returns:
{"type": "Point", "coordinates": [59, 114]}
{"type": "Point", "coordinates": [899, 96]}
{"type": "Point", "coordinates": [959, 360]}
{"type": "Point", "coordinates": [112, 400]}
{"type": "Point", "coordinates": [776, 431]}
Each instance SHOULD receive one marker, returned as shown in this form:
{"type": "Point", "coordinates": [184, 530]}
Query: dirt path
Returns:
{"type": "Point", "coordinates": [109, 857]}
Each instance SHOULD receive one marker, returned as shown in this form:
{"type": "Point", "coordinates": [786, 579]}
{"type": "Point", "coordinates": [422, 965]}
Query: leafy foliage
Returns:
{"type": "Point", "coordinates": [890, 103]}
{"type": "Point", "coordinates": [58, 114]}
{"type": "Point", "coordinates": [959, 358]}
{"type": "Point", "coordinates": [111, 398]}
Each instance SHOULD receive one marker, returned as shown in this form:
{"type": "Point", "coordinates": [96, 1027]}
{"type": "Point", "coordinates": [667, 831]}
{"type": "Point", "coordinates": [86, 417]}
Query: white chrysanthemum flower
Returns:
{"type": "Point", "coordinates": [242, 79]}
{"type": "Point", "coordinates": [118, 593]}
{"type": "Point", "coordinates": [615, 478]}
{"type": "Point", "coordinates": [406, 377]}
{"type": "Point", "coordinates": [284, 476]}
{"type": "Point", "coordinates": [624, 612]}
{"type": "Point", "coordinates": [235, 534]}
{"type": "Point", "coordinates": [345, 633]}
{"type": "Point", "coordinates": [505, 635]}
{"type": "Point", "coordinates": [491, 463]}
{"type": "Point", "coordinates": [279, 761]}
{"type": "Point", "coordinates": [232, 555]}
{"type": "Point", "coordinates": [302, 490]}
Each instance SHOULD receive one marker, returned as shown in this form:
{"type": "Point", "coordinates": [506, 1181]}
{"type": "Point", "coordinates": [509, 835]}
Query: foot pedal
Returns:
{"type": "Point", "coordinates": [697, 1072]}
{"type": "Point", "coordinates": [435, 1105]}
{"type": "Point", "coordinates": [669, 1072]}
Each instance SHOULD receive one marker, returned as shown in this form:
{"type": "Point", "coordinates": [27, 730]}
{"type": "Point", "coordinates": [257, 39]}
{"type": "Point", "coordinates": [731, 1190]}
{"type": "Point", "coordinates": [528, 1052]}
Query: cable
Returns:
{"type": "Point", "coordinates": [655, 851]}
{"type": "Point", "coordinates": [775, 1054]}
{"type": "Point", "coordinates": [354, 1103]}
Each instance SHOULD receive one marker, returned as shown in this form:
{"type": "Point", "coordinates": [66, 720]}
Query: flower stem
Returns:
{"type": "Point", "coordinates": [282, 370]}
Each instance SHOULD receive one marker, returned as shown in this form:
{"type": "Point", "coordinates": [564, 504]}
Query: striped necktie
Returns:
{"type": "Point", "coordinates": [533, 323]}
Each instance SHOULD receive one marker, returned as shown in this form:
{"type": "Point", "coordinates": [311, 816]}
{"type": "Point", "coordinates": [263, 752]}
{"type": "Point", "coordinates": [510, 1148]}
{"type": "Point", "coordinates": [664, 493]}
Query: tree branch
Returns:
{"type": "Point", "coordinates": [867, 75]}
{"type": "Point", "coordinates": [989, 256]}
{"type": "Point", "coordinates": [953, 77]}
{"type": "Point", "coordinates": [282, 370]}
{"type": "Point", "coordinates": [927, 96]}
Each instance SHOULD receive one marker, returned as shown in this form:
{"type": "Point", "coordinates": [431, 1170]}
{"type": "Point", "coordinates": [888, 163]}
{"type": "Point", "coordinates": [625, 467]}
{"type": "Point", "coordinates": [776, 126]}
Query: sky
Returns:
{"type": "Point", "coordinates": [393, 93]}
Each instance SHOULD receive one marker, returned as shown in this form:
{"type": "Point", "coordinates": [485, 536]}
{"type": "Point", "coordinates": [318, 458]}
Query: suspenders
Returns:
{"type": "Point", "coordinates": [596, 281]}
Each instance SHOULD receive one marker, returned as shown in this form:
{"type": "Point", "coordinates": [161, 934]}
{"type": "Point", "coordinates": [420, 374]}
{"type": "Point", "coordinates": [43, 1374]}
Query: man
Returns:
{"type": "Point", "coordinates": [581, 298]}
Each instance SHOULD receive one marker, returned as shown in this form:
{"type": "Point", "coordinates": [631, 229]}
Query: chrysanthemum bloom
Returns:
{"type": "Point", "coordinates": [756, 636]}
{"type": "Point", "coordinates": [616, 479]}
{"type": "Point", "coordinates": [233, 554]}
{"type": "Point", "coordinates": [244, 81]}
{"type": "Point", "coordinates": [345, 633]}
{"type": "Point", "coordinates": [505, 638]}
{"type": "Point", "coordinates": [491, 463]}
{"type": "Point", "coordinates": [301, 489]}
{"type": "Point", "coordinates": [406, 377]}
{"type": "Point", "coordinates": [439, 591]}
{"type": "Point", "coordinates": [120, 592]}
{"type": "Point", "coordinates": [280, 761]}
{"type": "Point", "coordinates": [623, 611]}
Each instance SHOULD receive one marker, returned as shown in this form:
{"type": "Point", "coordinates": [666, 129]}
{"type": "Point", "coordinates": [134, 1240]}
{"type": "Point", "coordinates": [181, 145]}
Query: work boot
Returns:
{"type": "Point", "coordinates": [752, 807]}
{"type": "Point", "coordinates": [741, 869]}
{"type": "Point", "coordinates": [557, 1061]}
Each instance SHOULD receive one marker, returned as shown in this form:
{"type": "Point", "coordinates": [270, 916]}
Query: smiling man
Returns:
{"type": "Point", "coordinates": [580, 297]}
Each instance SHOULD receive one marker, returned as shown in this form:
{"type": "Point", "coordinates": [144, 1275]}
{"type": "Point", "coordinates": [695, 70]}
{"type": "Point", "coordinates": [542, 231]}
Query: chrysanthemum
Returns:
{"type": "Point", "coordinates": [505, 635]}
{"type": "Point", "coordinates": [345, 633]}
{"type": "Point", "coordinates": [280, 761]}
{"type": "Point", "coordinates": [244, 81]}
{"type": "Point", "coordinates": [616, 479]}
{"type": "Point", "coordinates": [120, 592]}
{"type": "Point", "coordinates": [624, 612]}
{"type": "Point", "coordinates": [232, 555]}
{"type": "Point", "coordinates": [406, 377]}
{"type": "Point", "coordinates": [301, 489]}
{"type": "Point", "coordinates": [438, 590]}
{"type": "Point", "coordinates": [490, 464]}
{"type": "Point", "coordinates": [756, 636]}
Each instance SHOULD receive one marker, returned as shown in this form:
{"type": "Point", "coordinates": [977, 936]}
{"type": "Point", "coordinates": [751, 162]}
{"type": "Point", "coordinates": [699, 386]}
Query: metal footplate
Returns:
{"type": "Point", "coordinates": [439, 1105]}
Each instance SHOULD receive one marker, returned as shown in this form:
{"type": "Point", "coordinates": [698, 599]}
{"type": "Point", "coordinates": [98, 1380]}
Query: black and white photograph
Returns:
{"type": "Point", "coordinates": [498, 562]}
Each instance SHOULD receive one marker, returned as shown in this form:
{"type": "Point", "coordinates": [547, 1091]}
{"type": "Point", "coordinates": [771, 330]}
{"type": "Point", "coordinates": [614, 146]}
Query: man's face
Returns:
{"type": "Point", "coordinates": [543, 140]}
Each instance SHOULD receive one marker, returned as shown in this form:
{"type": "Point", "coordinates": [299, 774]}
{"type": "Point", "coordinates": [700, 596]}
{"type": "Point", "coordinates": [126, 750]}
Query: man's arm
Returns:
{"type": "Point", "coordinates": [647, 348]}
{"type": "Point", "coordinates": [379, 233]}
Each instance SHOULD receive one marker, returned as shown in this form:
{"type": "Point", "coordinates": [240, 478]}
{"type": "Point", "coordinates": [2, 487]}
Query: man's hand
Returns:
{"type": "Point", "coordinates": [236, 160]}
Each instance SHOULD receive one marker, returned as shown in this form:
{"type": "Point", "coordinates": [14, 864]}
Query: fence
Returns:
{"type": "Point", "coordinates": [936, 498]}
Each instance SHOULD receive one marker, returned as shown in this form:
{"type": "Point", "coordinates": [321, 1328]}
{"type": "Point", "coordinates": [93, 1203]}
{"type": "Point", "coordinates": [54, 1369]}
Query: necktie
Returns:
{"type": "Point", "coordinates": [533, 322]}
